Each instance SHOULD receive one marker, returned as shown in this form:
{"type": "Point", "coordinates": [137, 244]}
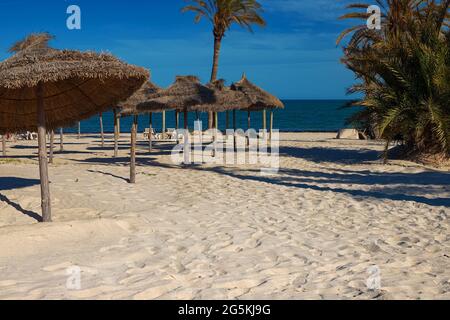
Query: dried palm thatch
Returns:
{"type": "Point", "coordinates": [143, 96]}
{"type": "Point", "coordinates": [43, 88]}
{"type": "Point", "coordinates": [225, 99]}
{"type": "Point", "coordinates": [185, 93]}
{"type": "Point", "coordinates": [260, 99]}
{"type": "Point", "coordinates": [75, 85]}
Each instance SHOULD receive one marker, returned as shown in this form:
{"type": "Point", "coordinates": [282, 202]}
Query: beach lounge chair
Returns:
{"type": "Point", "coordinates": [147, 131]}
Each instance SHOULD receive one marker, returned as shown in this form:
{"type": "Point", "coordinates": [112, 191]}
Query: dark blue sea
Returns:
{"type": "Point", "coordinates": [298, 116]}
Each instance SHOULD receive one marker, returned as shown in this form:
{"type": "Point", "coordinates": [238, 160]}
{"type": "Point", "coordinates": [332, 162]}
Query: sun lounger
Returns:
{"type": "Point", "coordinates": [146, 133]}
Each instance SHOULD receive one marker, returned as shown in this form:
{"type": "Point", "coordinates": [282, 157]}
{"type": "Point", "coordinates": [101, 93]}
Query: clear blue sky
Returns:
{"type": "Point", "coordinates": [294, 56]}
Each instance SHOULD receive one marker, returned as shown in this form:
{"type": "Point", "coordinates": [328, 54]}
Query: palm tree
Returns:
{"type": "Point", "coordinates": [223, 14]}
{"type": "Point", "coordinates": [405, 75]}
{"type": "Point", "coordinates": [394, 17]}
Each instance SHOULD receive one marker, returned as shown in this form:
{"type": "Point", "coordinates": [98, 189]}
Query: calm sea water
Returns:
{"type": "Point", "coordinates": [299, 115]}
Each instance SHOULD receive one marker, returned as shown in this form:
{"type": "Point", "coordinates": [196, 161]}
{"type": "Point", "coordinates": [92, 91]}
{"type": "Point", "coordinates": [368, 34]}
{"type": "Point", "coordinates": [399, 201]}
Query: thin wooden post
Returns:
{"type": "Point", "coordinates": [177, 120]}
{"type": "Point", "coordinates": [79, 129]}
{"type": "Point", "coordinates": [102, 135]}
{"type": "Point", "coordinates": [264, 114]}
{"type": "Point", "coordinates": [216, 128]}
{"type": "Point", "coordinates": [133, 151]}
{"type": "Point", "coordinates": [210, 120]}
{"type": "Point", "coordinates": [43, 165]}
{"type": "Point", "coordinates": [271, 126]}
{"type": "Point", "coordinates": [52, 146]}
{"type": "Point", "coordinates": [150, 135]}
{"type": "Point", "coordinates": [61, 140]}
{"type": "Point", "coordinates": [187, 146]}
{"type": "Point", "coordinates": [164, 124]}
{"type": "Point", "coordinates": [116, 134]}
{"type": "Point", "coordinates": [249, 125]}
{"type": "Point", "coordinates": [118, 126]}
{"type": "Point", "coordinates": [4, 145]}
{"type": "Point", "coordinates": [234, 128]}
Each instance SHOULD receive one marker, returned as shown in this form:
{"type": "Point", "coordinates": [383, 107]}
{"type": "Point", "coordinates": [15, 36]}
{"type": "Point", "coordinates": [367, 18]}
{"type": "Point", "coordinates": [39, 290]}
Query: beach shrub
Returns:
{"type": "Point", "coordinates": [404, 75]}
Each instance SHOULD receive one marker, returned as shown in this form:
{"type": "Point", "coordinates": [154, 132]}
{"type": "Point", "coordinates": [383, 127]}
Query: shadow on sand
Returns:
{"type": "Point", "coordinates": [11, 183]}
{"type": "Point", "coordinates": [334, 155]}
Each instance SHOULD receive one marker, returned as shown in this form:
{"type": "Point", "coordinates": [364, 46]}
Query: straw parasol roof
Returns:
{"type": "Point", "coordinates": [43, 88]}
{"type": "Point", "coordinates": [143, 97]}
{"type": "Point", "coordinates": [75, 85]}
{"type": "Point", "coordinates": [185, 93]}
{"type": "Point", "coordinates": [260, 99]}
{"type": "Point", "coordinates": [225, 99]}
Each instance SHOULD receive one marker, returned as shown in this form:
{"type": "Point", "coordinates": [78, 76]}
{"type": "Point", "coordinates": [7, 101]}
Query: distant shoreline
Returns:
{"type": "Point", "coordinates": [281, 131]}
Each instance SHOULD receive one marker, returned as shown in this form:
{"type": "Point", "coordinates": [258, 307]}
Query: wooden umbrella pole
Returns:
{"type": "Point", "coordinates": [163, 124]}
{"type": "Point", "coordinates": [249, 125]}
{"type": "Point", "coordinates": [43, 165]}
{"type": "Point", "coordinates": [271, 127]}
{"type": "Point", "coordinates": [210, 120]}
{"type": "Point", "coordinates": [79, 129]}
{"type": "Point", "coordinates": [116, 135]}
{"type": "Point", "coordinates": [118, 126]}
{"type": "Point", "coordinates": [52, 146]}
{"type": "Point", "coordinates": [150, 132]}
{"type": "Point", "coordinates": [216, 128]}
{"type": "Point", "coordinates": [187, 147]}
{"type": "Point", "coordinates": [177, 120]}
{"type": "Point", "coordinates": [102, 135]}
{"type": "Point", "coordinates": [234, 128]}
{"type": "Point", "coordinates": [264, 114]}
{"type": "Point", "coordinates": [4, 145]}
{"type": "Point", "coordinates": [61, 140]}
{"type": "Point", "coordinates": [133, 151]}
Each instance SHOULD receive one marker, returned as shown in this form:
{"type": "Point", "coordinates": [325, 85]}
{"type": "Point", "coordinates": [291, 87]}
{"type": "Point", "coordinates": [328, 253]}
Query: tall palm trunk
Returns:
{"type": "Point", "coordinates": [215, 71]}
{"type": "Point", "coordinates": [215, 68]}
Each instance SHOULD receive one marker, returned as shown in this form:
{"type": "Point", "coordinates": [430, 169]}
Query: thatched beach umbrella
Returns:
{"type": "Point", "coordinates": [42, 88]}
{"type": "Point", "coordinates": [131, 107]}
{"type": "Point", "coordinates": [142, 96]}
{"type": "Point", "coordinates": [260, 100]}
{"type": "Point", "coordinates": [185, 93]}
{"type": "Point", "coordinates": [223, 99]}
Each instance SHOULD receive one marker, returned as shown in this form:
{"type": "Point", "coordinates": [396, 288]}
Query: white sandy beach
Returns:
{"type": "Point", "coordinates": [210, 232]}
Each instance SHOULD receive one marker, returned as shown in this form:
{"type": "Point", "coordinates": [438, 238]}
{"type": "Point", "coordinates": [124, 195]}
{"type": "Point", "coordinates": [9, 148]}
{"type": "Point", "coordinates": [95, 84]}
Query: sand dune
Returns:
{"type": "Point", "coordinates": [209, 232]}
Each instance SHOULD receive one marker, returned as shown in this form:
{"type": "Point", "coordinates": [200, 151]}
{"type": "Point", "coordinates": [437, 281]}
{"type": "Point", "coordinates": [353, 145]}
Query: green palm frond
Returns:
{"type": "Point", "coordinates": [405, 73]}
